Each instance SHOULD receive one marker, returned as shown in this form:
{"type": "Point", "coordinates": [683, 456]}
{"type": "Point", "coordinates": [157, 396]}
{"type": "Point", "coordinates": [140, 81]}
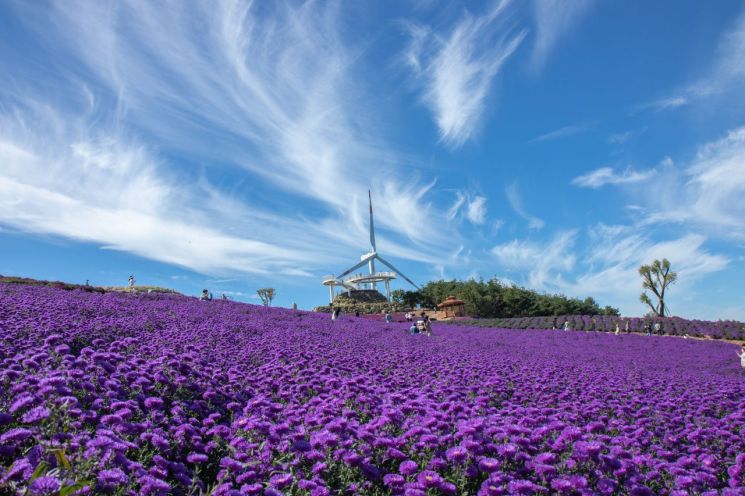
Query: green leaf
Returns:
{"type": "Point", "coordinates": [62, 459]}
{"type": "Point", "coordinates": [71, 489]}
{"type": "Point", "coordinates": [41, 469]}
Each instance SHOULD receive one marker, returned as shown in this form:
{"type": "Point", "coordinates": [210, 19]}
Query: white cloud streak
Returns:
{"type": "Point", "coordinates": [706, 192]}
{"type": "Point", "coordinates": [476, 212]}
{"type": "Point", "coordinates": [607, 268]}
{"type": "Point", "coordinates": [554, 20]}
{"type": "Point", "coordinates": [709, 191]}
{"type": "Point", "coordinates": [562, 132]}
{"type": "Point", "coordinates": [214, 85]}
{"type": "Point", "coordinates": [617, 252]}
{"type": "Point", "coordinates": [725, 76]}
{"type": "Point", "coordinates": [472, 207]}
{"type": "Point", "coordinates": [456, 69]}
{"type": "Point", "coordinates": [606, 175]}
{"type": "Point", "coordinates": [516, 202]}
{"type": "Point", "coordinates": [543, 262]}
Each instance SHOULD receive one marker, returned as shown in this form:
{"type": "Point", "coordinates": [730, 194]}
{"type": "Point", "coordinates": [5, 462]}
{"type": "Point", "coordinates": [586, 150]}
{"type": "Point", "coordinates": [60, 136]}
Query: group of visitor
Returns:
{"type": "Point", "coordinates": [421, 326]}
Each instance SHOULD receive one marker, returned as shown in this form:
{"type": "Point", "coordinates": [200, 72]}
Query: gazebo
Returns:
{"type": "Point", "coordinates": [452, 307]}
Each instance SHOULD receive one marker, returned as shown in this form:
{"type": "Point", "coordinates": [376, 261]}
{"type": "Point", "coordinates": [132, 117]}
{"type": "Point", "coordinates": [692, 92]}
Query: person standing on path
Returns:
{"type": "Point", "coordinates": [131, 282]}
{"type": "Point", "coordinates": [618, 329]}
{"type": "Point", "coordinates": [628, 327]}
{"type": "Point", "coordinates": [742, 356]}
{"type": "Point", "coordinates": [566, 325]}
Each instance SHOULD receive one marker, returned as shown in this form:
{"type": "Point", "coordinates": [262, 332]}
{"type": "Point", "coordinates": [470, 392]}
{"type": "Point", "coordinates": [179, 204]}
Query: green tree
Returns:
{"type": "Point", "coordinates": [266, 295]}
{"type": "Point", "coordinates": [409, 299]}
{"type": "Point", "coordinates": [656, 277]}
{"type": "Point", "coordinates": [493, 299]}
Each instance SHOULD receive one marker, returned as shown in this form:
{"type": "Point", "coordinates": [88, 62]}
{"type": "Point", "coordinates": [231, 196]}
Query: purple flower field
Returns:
{"type": "Point", "coordinates": [143, 394]}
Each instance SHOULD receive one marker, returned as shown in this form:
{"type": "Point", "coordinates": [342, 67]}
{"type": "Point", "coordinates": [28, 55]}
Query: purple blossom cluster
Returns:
{"type": "Point", "coordinates": [157, 394]}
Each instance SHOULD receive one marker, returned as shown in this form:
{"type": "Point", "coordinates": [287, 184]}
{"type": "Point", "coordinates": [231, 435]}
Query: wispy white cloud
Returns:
{"type": "Point", "coordinates": [614, 257]}
{"type": "Point", "coordinates": [725, 75]}
{"type": "Point", "coordinates": [607, 266]}
{"type": "Point", "coordinates": [544, 263]}
{"type": "Point", "coordinates": [516, 202]}
{"type": "Point", "coordinates": [472, 207]}
{"type": "Point", "coordinates": [456, 68]}
{"type": "Point", "coordinates": [554, 20]}
{"type": "Point", "coordinates": [476, 212]}
{"type": "Point", "coordinates": [621, 138]}
{"type": "Point", "coordinates": [562, 132]}
{"type": "Point", "coordinates": [177, 92]}
{"type": "Point", "coordinates": [606, 175]}
{"type": "Point", "coordinates": [666, 103]}
{"type": "Point", "coordinates": [707, 192]}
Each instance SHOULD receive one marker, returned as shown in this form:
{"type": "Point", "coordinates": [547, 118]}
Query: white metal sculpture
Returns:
{"type": "Point", "coordinates": [372, 278]}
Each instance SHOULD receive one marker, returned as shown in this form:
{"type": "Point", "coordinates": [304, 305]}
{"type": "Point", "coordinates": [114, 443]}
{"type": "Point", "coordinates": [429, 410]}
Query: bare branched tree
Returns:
{"type": "Point", "coordinates": [656, 277]}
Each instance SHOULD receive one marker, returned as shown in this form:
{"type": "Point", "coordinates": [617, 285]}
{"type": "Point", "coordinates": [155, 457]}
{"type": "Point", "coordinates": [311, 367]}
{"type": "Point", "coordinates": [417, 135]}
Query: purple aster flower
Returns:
{"type": "Point", "coordinates": [393, 480]}
{"type": "Point", "coordinates": [507, 450]}
{"type": "Point", "coordinates": [196, 458]}
{"type": "Point", "coordinates": [488, 465]}
{"type": "Point", "coordinates": [281, 480]}
{"type": "Point", "coordinates": [112, 478]}
{"type": "Point", "coordinates": [456, 454]}
{"type": "Point", "coordinates": [254, 488]}
{"type": "Point", "coordinates": [150, 485]}
{"type": "Point", "coordinates": [563, 486]}
{"type": "Point", "coordinates": [21, 470]}
{"type": "Point", "coordinates": [111, 420]}
{"type": "Point", "coordinates": [22, 402]}
{"type": "Point", "coordinates": [154, 403]}
{"type": "Point", "coordinates": [428, 479]}
{"type": "Point", "coordinates": [351, 458]}
{"type": "Point", "coordinates": [45, 485]}
{"type": "Point", "coordinates": [408, 467]}
{"type": "Point", "coordinates": [15, 435]}
{"type": "Point", "coordinates": [524, 487]}
{"type": "Point", "coordinates": [35, 415]}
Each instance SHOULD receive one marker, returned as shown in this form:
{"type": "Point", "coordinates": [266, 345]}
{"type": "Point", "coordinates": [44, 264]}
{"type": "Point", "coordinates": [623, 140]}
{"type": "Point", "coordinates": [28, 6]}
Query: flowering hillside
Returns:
{"type": "Point", "coordinates": [158, 394]}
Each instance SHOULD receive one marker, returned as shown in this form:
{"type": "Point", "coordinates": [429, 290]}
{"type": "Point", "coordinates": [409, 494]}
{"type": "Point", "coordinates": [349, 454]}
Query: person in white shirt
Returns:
{"type": "Point", "coordinates": [566, 325]}
{"type": "Point", "coordinates": [618, 329]}
{"type": "Point", "coordinates": [742, 356]}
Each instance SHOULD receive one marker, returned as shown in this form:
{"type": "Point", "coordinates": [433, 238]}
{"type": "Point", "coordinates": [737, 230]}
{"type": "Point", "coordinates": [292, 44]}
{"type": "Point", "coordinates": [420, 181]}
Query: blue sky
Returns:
{"type": "Point", "coordinates": [230, 145]}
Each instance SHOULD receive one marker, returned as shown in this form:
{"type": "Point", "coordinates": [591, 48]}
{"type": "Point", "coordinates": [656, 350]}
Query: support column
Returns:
{"type": "Point", "coordinates": [331, 293]}
{"type": "Point", "coordinates": [371, 267]}
{"type": "Point", "coordinates": [388, 290]}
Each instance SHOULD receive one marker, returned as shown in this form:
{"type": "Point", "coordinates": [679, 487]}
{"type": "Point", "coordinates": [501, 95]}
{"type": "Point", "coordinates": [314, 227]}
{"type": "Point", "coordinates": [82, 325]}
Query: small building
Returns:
{"type": "Point", "coordinates": [452, 307]}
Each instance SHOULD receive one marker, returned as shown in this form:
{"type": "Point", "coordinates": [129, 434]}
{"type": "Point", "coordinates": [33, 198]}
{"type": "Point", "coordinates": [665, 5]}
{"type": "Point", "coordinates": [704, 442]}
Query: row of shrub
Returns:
{"type": "Point", "coordinates": [674, 326]}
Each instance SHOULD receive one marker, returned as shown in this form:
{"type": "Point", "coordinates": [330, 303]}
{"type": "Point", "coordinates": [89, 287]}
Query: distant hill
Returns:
{"type": "Point", "coordinates": [83, 287]}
